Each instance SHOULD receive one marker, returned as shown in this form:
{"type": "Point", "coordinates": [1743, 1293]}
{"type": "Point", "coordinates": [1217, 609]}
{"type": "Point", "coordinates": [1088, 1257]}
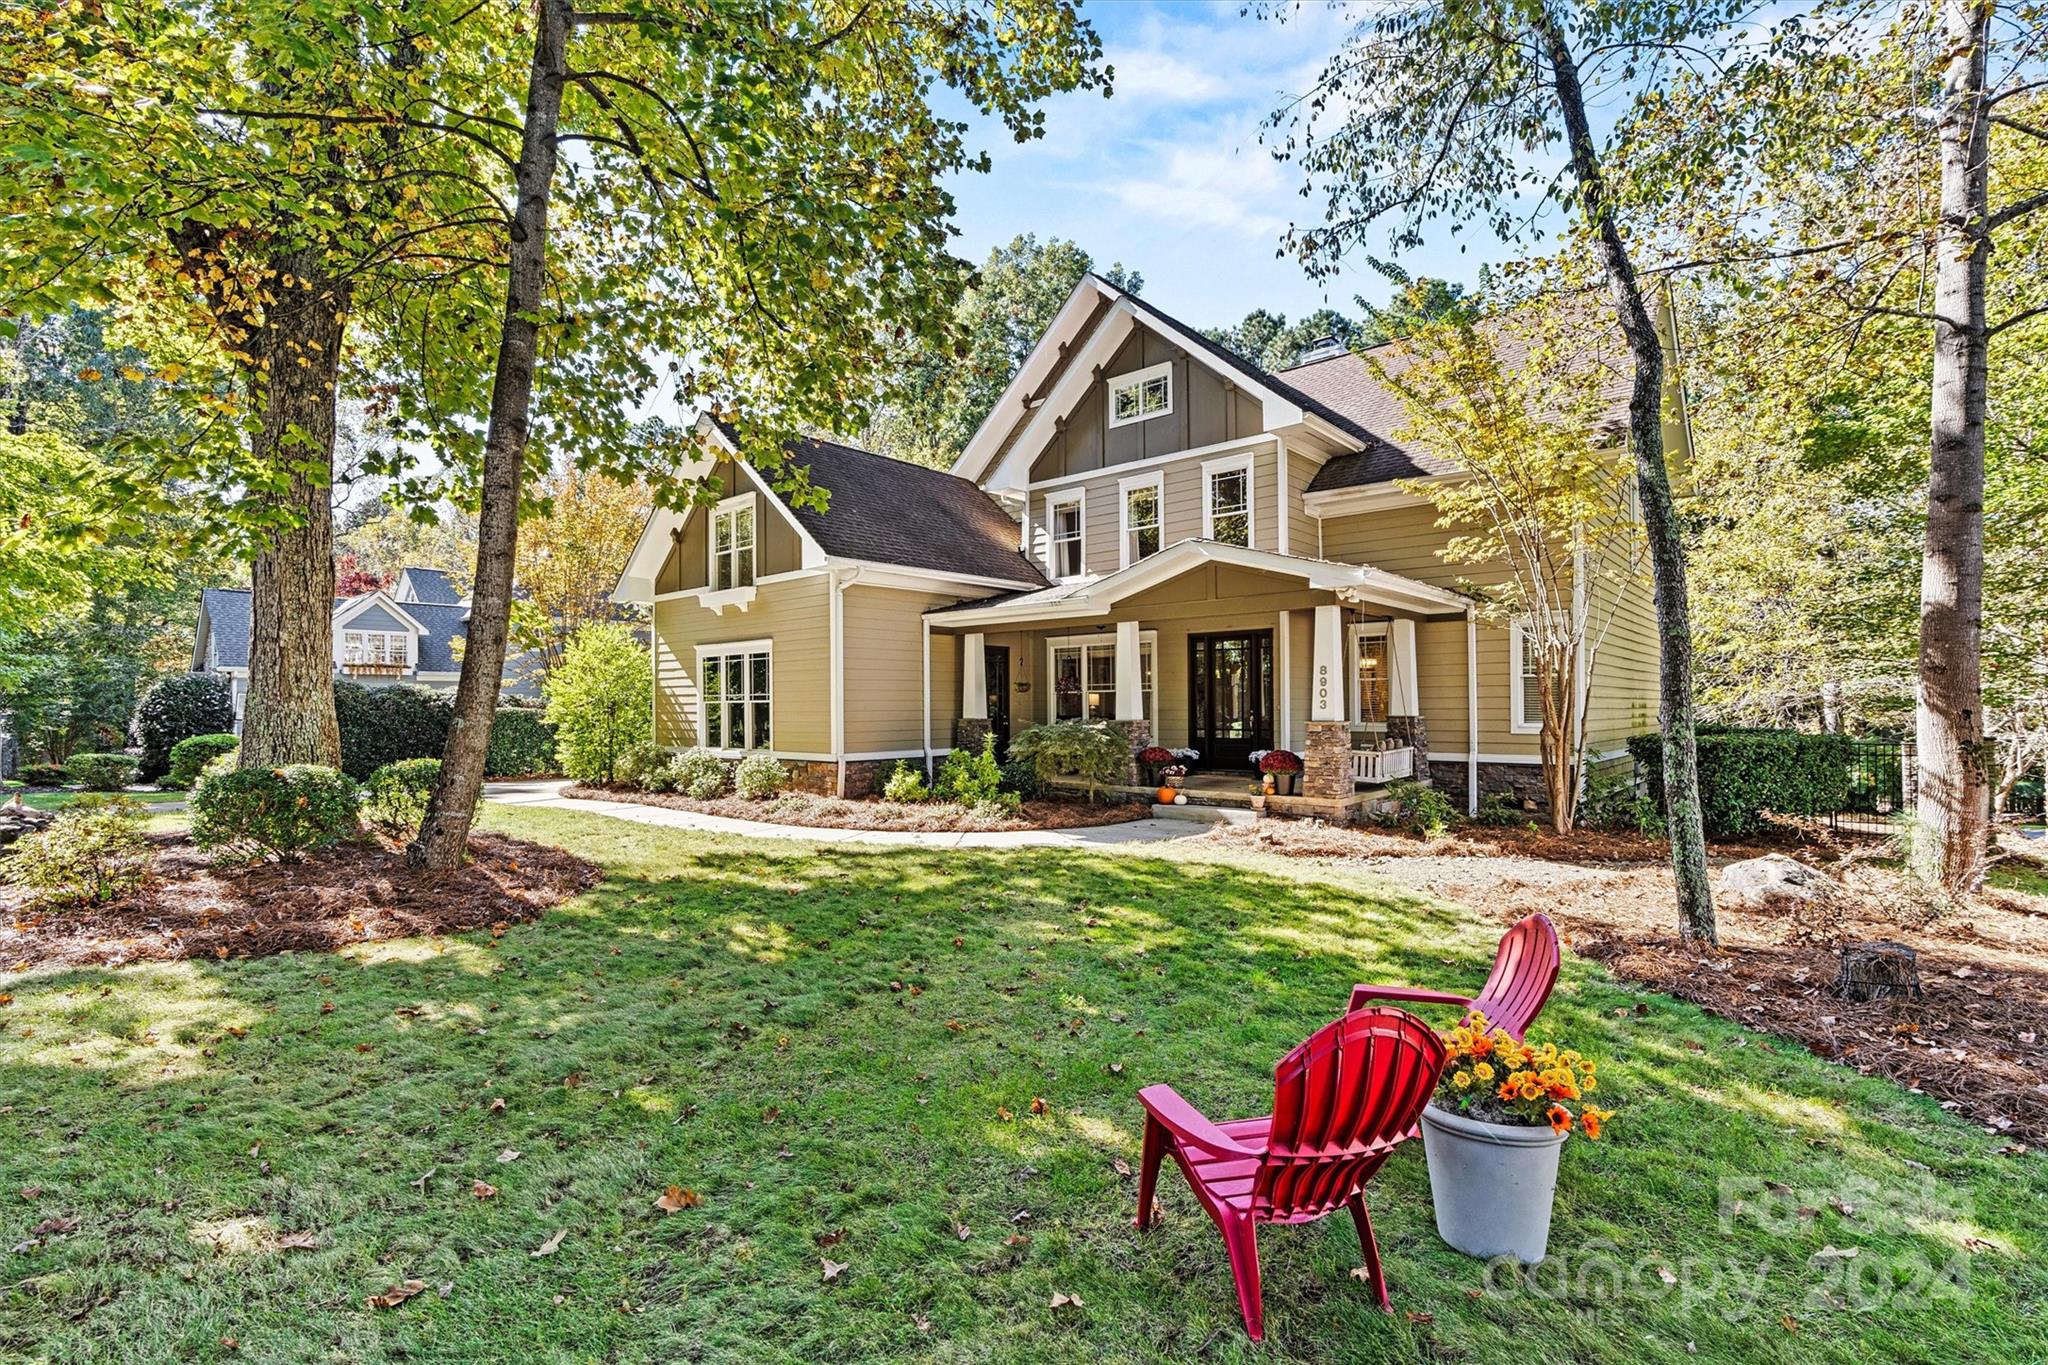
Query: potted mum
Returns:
{"type": "Point", "coordinates": [1492, 1134]}
{"type": "Point", "coordinates": [1151, 759]}
{"type": "Point", "coordinates": [1169, 784]}
{"type": "Point", "coordinates": [1283, 766]}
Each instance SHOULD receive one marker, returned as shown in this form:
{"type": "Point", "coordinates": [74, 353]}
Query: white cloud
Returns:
{"type": "Point", "coordinates": [1153, 75]}
{"type": "Point", "coordinates": [1204, 178]}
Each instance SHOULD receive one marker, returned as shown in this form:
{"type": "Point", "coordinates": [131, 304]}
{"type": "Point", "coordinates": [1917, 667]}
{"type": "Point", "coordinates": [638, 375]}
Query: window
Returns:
{"type": "Point", "coordinates": [1374, 681]}
{"type": "Point", "coordinates": [1143, 512]}
{"type": "Point", "coordinates": [734, 682]}
{"type": "Point", "coordinates": [1227, 501]}
{"type": "Point", "coordinates": [1063, 526]}
{"type": "Point", "coordinates": [1083, 672]}
{"type": "Point", "coordinates": [373, 647]}
{"type": "Point", "coordinates": [732, 544]}
{"type": "Point", "coordinates": [1141, 394]}
{"type": "Point", "coordinates": [1525, 690]}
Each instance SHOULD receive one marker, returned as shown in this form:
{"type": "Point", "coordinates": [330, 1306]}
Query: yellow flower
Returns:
{"type": "Point", "coordinates": [1590, 1084]}
{"type": "Point", "coordinates": [1463, 1080]}
{"type": "Point", "coordinates": [1484, 1071]}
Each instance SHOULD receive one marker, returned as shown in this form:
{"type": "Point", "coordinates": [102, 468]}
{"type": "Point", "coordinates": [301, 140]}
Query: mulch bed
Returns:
{"type": "Point", "coordinates": [351, 893]}
{"type": "Point", "coordinates": [831, 812]}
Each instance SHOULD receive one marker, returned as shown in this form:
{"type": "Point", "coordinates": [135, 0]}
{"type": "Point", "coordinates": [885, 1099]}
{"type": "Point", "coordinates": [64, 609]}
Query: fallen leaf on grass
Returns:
{"type": "Point", "coordinates": [509, 1154]}
{"type": "Point", "coordinates": [426, 1175]}
{"type": "Point", "coordinates": [1422, 1318]}
{"type": "Point", "coordinates": [1004, 1114]}
{"type": "Point", "coordinates": [1038, 1106]}
{"type": "Point", "coordinates": [962, 1231]}
{"type": "Point", "coordinates": [1017, 1239]}
{"type": "Point", "coordinates": [481, 1190]}
{"type": "Point", "coordinates": [921, 1322]}
{"type": "Point", "coordinates": [1361, 1274]}
{"type": "Point", "coordinates": [298, 1241]}
{"type": "Point", "coordinates": [395, 1295]}
{"type": "Point", "coordinates": [1120, 1166]}
{"type": "Point", "coordinates": [675, 1199]}
{"type": "Point", "coordinates": [54, 1227]}
{"type": "Point", "coordinates": [498, 1105]}
{"type": "Point", "coordinates": [31, 1191]}
{"type": "Point", "coordinates": [1835, 1253]}
{"type": "Point", "coordinates": [829, 1239]}
{"type": "Point", "coordinates": [551, 1245]}
{"type": "Point", "coordinates": [1060, 1301]}
{"type": "Point", "coordinates": [833, 1269]}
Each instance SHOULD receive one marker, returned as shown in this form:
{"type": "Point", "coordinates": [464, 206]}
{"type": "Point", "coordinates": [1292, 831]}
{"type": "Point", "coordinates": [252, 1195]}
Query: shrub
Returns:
{"type": "Point", "coordinates": [759, 777]}
{"type": "Point", "coordinates": [178, 707]}
{"type": "Point", "coordinates": [1023, 779]}
{"type": "Point", "coordinates": [1089, 750]}
{"type": "Point", "coordinates": [969, 777]}
{"type": "Point", "coordinates": [189, 757]}
{"type": "Point", "coordinates": [906, 784]}
{"type": "Point", "coordinates": [522, 743]}
{"type": "Point", "coordinates": [1421, 808]}
{"type": "Point", "coordinates": [93, 851]}
{"type": "Point", "coordinates": [101, 772]}
{"type": "Point", "coordinates": [1612, 803]}
{"type": "Point", "coordinates": [395, 798]}
{"type": "Point", "coordinates": [381, 725]}
{"type": "Point", "coordinates": [280, 811]}
{"type": "Point", "coordinates": [1744, 773]}
{"type": "Point", "coordinates": [696, 772]}
{"type": "Point", "coordinates": [645, 766]}
{"type": "Point", "coordinates": [1001, 806]}
{"type": "Point", "coordinates": [1500, 810]}
{"type": "Point", "coordinates": [598, 701]}
{"type": "Point", "coordinates": [43, 775]}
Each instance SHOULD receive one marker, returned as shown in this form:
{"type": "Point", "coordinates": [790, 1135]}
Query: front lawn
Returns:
{"type": "Point", "coordinates": [60, 798]}
{"type": "Point", "coordinates": [836, 1052]}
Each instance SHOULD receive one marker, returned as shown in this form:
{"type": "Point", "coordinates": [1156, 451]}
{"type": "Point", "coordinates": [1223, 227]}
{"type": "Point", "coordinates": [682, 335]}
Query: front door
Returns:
{"type": "Point", "coordinates": [997, 662]}
{"type": "Point", "coordinates": [1230, 697]}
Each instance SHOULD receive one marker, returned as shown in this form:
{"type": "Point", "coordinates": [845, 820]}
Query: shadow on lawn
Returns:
{"type": "Point", "coordinates": [838, 1038]}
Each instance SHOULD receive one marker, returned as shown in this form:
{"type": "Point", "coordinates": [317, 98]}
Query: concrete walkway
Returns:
{"type": "Point", "coordinates": [549, 794]}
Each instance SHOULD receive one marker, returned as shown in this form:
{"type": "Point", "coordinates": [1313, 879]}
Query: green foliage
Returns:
{"type": "Point", "coordinates": [282, 812]}
{"type": "Point", "coordinates": [1419, 807]}
{"type": "Point", "coordinates": [599, 701]}
{"type": "Point", "coordinates": [1000, 806]}
{"type": "Point", "coordinates": [179, 707]}
{"type": "Point", "coordinates": [1612, 803]}
{"type": "Point", "coordinates": [644, 765]}
{"type": "Point", "coordinates": [43, 775]}
{"type": "Point", "coordinates": [694, 772]}
{"type": "Point", "coordinates": [906, 784]}
{"type": "Point", "coordinates": [969, 777]}
{"type": "Point", "coordinates": [395, 798]}
{"type": "Point", "coordinates": [759, 776]}
{"type": "Point", "coordinates": [190, 756]}
{"type": "Point", "coordinates": [1499, 810]}
{"type": "Point", "coordinates": [1089, 750]}
{"type": "Point", "coordinates": [95, 850]}
{"type": "Point", "coordinates": [100, 772]}
{"type": "Point", "coordinates": [381, 725]}
{"type": "Point", "coordinates": [522, 742]}
{"type": "Point", "coordinates": [1744, 773]}
{"type": "Point", "coordinates": [1023, 779]}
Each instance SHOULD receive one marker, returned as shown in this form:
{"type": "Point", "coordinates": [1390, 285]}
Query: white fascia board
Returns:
{"type": "Point", "coordinates": [876, 574]}
{"type": "Point", "coordinates": [1014, 473]}
{"type": "Point", "coordinates": [350, 610]}
{"type": "Point", "coordinates": [636, 581]}
{"type": "Point", "coordinates": [988, 437]}
{"type": "Point", "coordinates": [1370, 497]}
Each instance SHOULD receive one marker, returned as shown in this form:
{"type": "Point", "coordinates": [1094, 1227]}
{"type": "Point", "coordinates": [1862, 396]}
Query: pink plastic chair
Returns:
{"type": "Point", "coordinates": [1342, 1102]}
{"type": "Point", "coordinates": [1524, 970]}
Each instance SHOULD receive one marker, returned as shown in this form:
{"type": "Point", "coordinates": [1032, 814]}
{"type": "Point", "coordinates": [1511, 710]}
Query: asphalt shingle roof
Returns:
{"type": "Point", "coordinates": [442, 623]}
{"type": "Point", "coordinates": [432, 585]}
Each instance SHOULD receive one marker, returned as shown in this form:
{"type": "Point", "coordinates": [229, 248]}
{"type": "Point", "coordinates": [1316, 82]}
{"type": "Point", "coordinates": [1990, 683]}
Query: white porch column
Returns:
{"type": "Point", "coordinates": [973, 678]}
{"type": "Point", "coordinates": [1326, 678]}
{"type": "Point", "coordinates": [1283, 668]}
{"type": "Point", "coordinates": [1403, 692]}
{"type": "Point", "coordinates": [1130, 689]}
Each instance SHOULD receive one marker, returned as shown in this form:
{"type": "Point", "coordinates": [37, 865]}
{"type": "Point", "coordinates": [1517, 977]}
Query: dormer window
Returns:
{"type": "Point", "coordinates": [386, 647]}
{"type": "Point", "coordinates": [1141, 394]}
{"type": "Point", "coordinates": [732, 544]}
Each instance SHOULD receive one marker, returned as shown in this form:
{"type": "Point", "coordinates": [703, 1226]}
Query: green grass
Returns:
{"type": "Point", "coordinates": [58, 800]}
{"type": "Point", "coordinates": [731, 1017]}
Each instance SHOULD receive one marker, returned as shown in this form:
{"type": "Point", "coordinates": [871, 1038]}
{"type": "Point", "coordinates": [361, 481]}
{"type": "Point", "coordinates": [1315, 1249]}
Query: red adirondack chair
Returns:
{"type": "Point", "coordinates": [1524, 970]}
{"type": "Point", "coordinates": [1342, 1102]}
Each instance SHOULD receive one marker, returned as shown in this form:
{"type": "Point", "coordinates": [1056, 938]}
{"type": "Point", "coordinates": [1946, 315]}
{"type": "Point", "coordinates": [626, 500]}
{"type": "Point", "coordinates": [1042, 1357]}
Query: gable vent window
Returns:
{"type": "Point", "coordinates": [1065, 530]}
{"type": "Point", "coordinates": [1141, 394]}
{"type": "Point", "coordinates": [732, 546]}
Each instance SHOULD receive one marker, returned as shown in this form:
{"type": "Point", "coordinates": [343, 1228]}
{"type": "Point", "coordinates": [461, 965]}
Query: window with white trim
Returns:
{"type": "Point", "coordinates": [732, 544]}
{"type": "Point", "coordinates": [1064, 535]}
{"type": "Point", "coordinates": [735, 697]}
{"type": "Point", "coordinates": [1141, 394]}
{"type": "Point", "coordinates": [1525, 687]}
{"type": "Point", "coordinates": [1227, 502]}
{"type": "Point", "coordinates": [373, 647]}
{"type": "Point", "coordinates": [1083, 673]}
{"type": "Point", "coordinates": [1144, 511]}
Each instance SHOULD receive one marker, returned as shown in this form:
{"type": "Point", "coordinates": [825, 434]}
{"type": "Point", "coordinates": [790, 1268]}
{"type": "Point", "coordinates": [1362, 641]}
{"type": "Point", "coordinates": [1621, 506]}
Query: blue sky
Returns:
{"type": "Point", "coordinates": [1168, 176]}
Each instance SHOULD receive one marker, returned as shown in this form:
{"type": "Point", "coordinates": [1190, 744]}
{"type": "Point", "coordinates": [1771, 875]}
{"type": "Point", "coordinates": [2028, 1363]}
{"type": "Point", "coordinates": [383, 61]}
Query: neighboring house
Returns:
{"type": "Point", "coordinates": [407, 633]}
{"type": "Point", "coordinates": [1147, 530]}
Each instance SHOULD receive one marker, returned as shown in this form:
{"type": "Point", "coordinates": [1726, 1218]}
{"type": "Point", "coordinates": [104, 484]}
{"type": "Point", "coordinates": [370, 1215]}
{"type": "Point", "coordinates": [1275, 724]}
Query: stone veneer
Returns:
{"type": "Point", "coordinates": [1412, 731]}
{"type": "Point", "coordinates": [1137, 735]}
{"type": "Point", "coordinates": [1326, 761]}
{"type": "Point", "coordinates": [968, 733]}
{"type": "Point", "coordinates": [864, 776]}
{"type": "Point", "coordinates": [1523, 781]}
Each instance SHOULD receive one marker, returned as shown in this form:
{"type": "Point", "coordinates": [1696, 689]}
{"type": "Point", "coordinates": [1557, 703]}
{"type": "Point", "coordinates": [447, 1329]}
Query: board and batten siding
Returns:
{"type": "Point", "coordinates": [1207, 409]}
{"type": "Point", "coordinates": [793, 614]}
{"type": "Point", "coordinates": [1181, 507]}
{"type": "Point", "coordinates": [777, 547]}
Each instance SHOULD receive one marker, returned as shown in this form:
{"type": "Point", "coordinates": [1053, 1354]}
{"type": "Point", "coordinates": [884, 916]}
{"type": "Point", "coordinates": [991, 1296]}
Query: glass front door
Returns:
{"type": "Point", "coordinates": [1230, 703]}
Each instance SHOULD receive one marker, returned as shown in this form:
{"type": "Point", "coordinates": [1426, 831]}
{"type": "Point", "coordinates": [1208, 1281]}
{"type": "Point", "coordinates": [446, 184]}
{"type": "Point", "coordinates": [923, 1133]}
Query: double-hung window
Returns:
{"type": "Point", "coordinates": [1525, 686]}
{"type": "Point", "coordinates": [1141, 394]}
{"type": "Point", "coordinates": [1143, 517]}
{"type": "Point", "coordinates": [1227, 501]}
{"type": "Point", "coordinates": [1083, 670]}
{"type": "Point", "coordinates": [373, 647]}
{"type": "Point", "coordinates": [732, 544]}
{"type": "Point", "coordinates": [1064, 535]}
{"type": "Point", "coordinates": [736, 695]}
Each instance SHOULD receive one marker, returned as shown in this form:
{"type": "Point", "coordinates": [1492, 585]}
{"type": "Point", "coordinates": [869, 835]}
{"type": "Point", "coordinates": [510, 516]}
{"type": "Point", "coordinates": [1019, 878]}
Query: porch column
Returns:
{"type": "Point", "coordinates": [1130, 690]}
{"type": "Point", "coordinates": [1326, 762]}
{"type": "Point", "coordinates": [972, 726]}
{"type": "Point", "coordinates": [1404, 692]}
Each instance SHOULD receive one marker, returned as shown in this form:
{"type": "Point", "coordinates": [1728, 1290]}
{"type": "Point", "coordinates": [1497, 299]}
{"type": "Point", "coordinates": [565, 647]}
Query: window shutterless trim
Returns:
{"type": "Point", "coordinates": [1156, 481]}
{"type": "Point", "coordinates": [1077, 498]}
{"type": "Point", "coordinates": [1139, 380]}
{"type": "Point", "coordinates": [1225, 465]}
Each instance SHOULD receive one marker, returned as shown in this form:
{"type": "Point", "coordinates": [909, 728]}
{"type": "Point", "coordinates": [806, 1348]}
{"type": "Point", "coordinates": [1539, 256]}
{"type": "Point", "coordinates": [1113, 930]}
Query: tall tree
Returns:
{"type": "Point", "coordinates": [582, 528]}
{"type": "Point", "coordinates": [764, 195]}
{"type": "Point", "coordinates": [1456, 97]}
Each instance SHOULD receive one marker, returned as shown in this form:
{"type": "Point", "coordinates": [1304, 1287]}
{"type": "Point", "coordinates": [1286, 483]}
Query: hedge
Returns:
{"type": "Point", "coordinates": [276, 811]}
{"type": "Point", "coordinates": [189, 757]}
{"type": "Point", "coordinates": [179, 707]}
{"type": "Point", "coordinates": [382, 725]}
{"type": "Point", "coordinates": [522, 742]}
{"type": "Point", "coordinates": [100, 772]}
{"type": "Point", "coordinates": [1744, 773]}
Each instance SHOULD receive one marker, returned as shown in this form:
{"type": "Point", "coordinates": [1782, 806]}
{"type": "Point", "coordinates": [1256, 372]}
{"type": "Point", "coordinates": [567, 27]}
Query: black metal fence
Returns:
{"type": "Point", "coordinates": [1881, 782]}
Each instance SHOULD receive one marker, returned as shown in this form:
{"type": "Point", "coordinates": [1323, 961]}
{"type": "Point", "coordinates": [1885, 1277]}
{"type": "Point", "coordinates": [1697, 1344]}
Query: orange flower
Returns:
{"type": "Point", "coordinates": [1560, 1119]}
{"type": "Point", "coordinates": [1592, 1118]}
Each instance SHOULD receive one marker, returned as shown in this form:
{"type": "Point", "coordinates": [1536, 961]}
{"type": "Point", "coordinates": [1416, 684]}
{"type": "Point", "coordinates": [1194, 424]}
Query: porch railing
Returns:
{"type": "Point", "coordinates": [1375, 767]}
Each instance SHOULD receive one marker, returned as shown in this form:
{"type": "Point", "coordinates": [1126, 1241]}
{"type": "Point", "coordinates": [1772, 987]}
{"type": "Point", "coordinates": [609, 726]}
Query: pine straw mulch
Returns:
{"type": "Point", "coordinates": [809, 811]}
{"type": "Point", "coordinates": [1973, 1041]}
{"type": "Point", "coordinates": [351, 893]}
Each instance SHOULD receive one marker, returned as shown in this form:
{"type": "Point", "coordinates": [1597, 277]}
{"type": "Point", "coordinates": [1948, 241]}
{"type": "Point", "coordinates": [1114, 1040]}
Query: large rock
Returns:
{"type": "Point", "coordinates": [17, 819]}
{"type": "Point", "coordinates": [1776, 882]}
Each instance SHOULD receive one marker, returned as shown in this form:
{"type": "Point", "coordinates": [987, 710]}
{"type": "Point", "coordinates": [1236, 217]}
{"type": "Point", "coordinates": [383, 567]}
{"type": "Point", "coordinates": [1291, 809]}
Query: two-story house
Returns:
{"type": "Point", "coordinates": [1147, 530]}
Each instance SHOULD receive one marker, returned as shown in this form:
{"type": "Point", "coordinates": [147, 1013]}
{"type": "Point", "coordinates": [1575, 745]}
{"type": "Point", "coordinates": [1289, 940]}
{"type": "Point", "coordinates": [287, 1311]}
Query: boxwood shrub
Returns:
{"type": "Point", "coordinates": [1746, 772]}
{"type": "Point", "coordinates": [101, 772]}
{"type": "Point", "coordinates": [278, 811]}
{"type": "Point", "coordinates": [178, 707]}
{"type": "Point", "coordinates": [522, 742]}
{"type": "Point", "coordinates": [395, 798]}
{"type": "Point", "coordinates": [189, 757]}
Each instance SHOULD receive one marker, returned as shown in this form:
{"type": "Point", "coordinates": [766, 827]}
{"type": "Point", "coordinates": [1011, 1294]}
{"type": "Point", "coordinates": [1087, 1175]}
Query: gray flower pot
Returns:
{"type": "Point", "coordinates": [1492, 1184]}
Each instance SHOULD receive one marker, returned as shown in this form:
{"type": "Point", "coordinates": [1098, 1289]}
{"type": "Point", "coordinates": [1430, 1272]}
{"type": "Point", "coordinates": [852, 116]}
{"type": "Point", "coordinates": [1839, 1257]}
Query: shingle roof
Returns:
{"type": "Point", "coordinates": [431, 585]}
{"type": "Point", "coordinates": [442, 623]}
{"type": "Point", "coordinates": [893, 512]}
{"type": "Point", "coordinates": [227, 616]}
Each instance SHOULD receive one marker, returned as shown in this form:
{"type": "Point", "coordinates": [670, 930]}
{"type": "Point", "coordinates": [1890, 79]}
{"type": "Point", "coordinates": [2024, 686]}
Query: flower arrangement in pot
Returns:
{"type": "Point", "coordinates": [1492, 1134]}
{"type": "Point", "coordinates": [1283, 768]}
{"type": "Point", "coordinates": [1169, 784]}
{"type": "Point", "coordinates": [1152, 759]}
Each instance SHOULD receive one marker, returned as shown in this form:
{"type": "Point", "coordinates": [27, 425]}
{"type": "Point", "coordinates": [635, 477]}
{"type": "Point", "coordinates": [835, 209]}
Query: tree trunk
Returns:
{"type": "Point", "coordinates": [452, 809]}
{"type": "Point", "coordinates": [1953, 815]}
{"type": "Point", "coordinates": [1831, 706]}
{"type": "Point", "coordinates": [1660, 516]}
{"type": "Point", "coordinates": [289, 715]}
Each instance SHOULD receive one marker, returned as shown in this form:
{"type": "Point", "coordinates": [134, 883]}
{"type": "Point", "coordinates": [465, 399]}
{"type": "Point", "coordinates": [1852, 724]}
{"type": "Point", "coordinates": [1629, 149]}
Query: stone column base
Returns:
{"type": "Point", "coordinates": [1326, 762]}
{"type": "Point", "coordinates": [968, 733]}
{"type": "Point", "coordinates": [1412, 731]}
{"type": "Point", "coordinates": [1137, 735]}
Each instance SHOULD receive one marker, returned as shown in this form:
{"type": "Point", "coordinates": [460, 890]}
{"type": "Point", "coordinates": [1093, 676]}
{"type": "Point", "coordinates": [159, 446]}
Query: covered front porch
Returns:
{"type": "Point", "coordinates": [1224, 651]}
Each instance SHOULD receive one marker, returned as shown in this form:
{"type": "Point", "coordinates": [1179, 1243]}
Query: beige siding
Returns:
{"type": "Point", "coordinates": [1181, 486]}
{"type": "Point", "coordinates": [884, 634]}
{"type": "Point", "coordinates": [792, 615]}
{"type": "Point", "coordinates": [1623, 699]}
{"type": "Point", "coordinates": [1301, 527]}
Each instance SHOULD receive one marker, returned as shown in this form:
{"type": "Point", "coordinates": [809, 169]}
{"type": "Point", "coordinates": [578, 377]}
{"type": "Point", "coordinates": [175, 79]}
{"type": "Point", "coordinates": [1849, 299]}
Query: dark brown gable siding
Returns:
{"type": "Point", "coordinates": [1206, 409]}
